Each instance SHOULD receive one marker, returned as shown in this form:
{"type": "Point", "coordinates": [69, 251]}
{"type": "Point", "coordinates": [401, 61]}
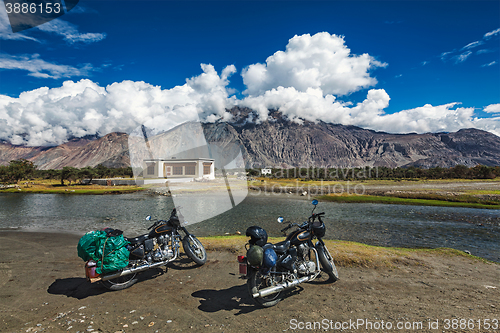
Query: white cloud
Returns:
{"type": "Point", "coordinates": [472, 45]}
{"type": "Point", "coordinates": [462, 57]}
{"type": "Point", "coordinates": [492, 108]}
{"type": "Point", "coordinates": [70, 32]}
{"type": "Point", "coordinates": [6, 31]}
{"type": "Point", "coordinates": [491, 33]}
{"type": "Point", "coordinates": [40, 68]}
{"type": "Point", "coordinates": [313, 106]}
{"type": "Point", "coordinates": [484, 51]}
{"type": "Point", "coordinates": [445, 55]}
{"type": "Point", "coordinates": [319, 61]}
{"type": "Point", "coordinates": [50, 116]}
{"type": "Point", "coordinates": [67, 30]}
{"type": "Point", "coordinates": [489, 64]}
{"type": "Point", "coordinates": [459, 58]}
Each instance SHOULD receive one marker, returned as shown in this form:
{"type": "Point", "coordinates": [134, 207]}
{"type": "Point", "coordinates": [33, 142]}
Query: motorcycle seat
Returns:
{"type": "Point", "coordinates": [138, 239]}
{"type": "Point", "coordinates": [281, 247]}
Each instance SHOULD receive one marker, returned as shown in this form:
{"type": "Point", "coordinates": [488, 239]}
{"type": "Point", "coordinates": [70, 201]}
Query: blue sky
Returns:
{"type": "Point", "coordinates": [412, 66]}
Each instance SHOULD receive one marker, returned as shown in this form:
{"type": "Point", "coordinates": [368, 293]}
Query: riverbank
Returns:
{"type": "Point", "coordinates": [446, 193]}
{"type": "Point", "coordinates": [483, 194]}
{"type": "Point", "coordinates": [55, 187]}
{"type": "Point", "coordinates": [346, 253]}
{"type": "Point", "coordinates": [44, 289]}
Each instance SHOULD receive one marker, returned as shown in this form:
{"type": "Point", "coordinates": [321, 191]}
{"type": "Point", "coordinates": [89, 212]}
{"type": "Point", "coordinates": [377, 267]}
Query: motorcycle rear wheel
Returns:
{"type": "Point", "coordinates": [327, 263]}
{"type": "Point", "coordinates": [194, 249]}
{"type": "Point", "coordinates": [255, 282]}
{"type": "Point", "coordinates": [121, 282]}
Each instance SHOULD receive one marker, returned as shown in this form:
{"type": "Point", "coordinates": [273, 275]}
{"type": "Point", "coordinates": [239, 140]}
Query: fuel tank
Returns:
{"type": "Point", "coordinates": [160, 230]}
{"type": "Point", "coordinates": [299, 237]}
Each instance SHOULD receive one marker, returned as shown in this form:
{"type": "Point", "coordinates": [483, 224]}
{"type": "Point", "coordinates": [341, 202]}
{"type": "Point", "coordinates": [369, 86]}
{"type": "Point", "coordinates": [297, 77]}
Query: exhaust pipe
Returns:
{"type": "Point", "coordinates": [287, 285]}
{"type": "Point", "coordinates": [136, 269]}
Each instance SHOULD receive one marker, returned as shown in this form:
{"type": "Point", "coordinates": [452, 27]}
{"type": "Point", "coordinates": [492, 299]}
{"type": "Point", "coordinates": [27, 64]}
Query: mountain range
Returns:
{"type": "Point", "coordinates": [279, 142]}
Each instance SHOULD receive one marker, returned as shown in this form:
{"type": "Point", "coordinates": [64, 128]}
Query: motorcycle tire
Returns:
{"type": "Point", "coordinates": [194, 250]}
{"type": "Point", "coordinates": [255, 283]}
{"type": "Point", "coordinates": [121, 282]}
{"type": "Point", "coordinates": [327, 263]}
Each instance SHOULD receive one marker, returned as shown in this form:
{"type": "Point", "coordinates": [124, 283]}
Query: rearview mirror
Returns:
{"type": "Point", "coordinates": [315, 202]}
{"type": "Point", "coordinates": [280, 219]}
{"type": "Point", "coordinates": [148, 218]}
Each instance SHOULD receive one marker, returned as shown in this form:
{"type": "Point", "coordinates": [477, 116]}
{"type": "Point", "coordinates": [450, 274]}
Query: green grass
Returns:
{"type": "Point", "coordinates": [406, 201]}
{"type": "Point", "coordinates": [349, 254]}
{"type": "Point", "coordinates": [74, 190]}
{"type": "Point", "coordinates": [497, 192]}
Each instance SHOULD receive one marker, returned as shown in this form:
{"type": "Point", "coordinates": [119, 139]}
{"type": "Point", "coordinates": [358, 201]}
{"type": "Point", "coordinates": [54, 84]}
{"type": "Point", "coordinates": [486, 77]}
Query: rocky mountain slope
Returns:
{"type": "Point", "coordinates": [278, 142]}
{"type": "Point", "coordinates": [110, 150]}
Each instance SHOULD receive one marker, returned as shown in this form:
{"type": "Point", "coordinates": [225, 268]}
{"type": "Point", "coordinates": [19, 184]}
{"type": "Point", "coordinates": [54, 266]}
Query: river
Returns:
{"type": "Point", "coordinates": [475, 230]}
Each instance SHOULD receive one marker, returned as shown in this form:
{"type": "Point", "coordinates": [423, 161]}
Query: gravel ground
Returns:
{"type": "Point", "coordinates": [43, 289]}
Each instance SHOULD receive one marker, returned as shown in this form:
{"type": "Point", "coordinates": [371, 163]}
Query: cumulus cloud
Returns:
{"type": "Point", "coordinates": [40, 68]}
{"type": "Point", "coordinates": [492, 108]}
{"type": "Point", "coordinates": [51, 116]}
{"type": "Point", "coordinates": [312, 106]}
{"type": "Point", "coordinates": [319, 61]}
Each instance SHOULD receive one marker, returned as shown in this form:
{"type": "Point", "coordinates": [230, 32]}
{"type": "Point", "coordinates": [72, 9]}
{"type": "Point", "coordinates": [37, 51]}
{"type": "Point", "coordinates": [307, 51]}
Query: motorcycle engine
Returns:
{"type": "Point", "coordinates": [306, 267]}
{"type": "Point", "coordinates": [163, 251]}
{"type": "Point", "coordinates": [163, 239]}
{"type": "Point", "coordinates": [303, 251]}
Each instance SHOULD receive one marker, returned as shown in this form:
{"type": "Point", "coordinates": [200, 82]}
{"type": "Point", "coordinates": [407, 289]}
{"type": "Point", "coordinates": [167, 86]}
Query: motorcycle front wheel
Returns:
{"type": "Point", "coordinates": [121, 282]}
{"type": "Point", "coordinates": [194, 249]}
{"type": "Point", "coordinates": [327, 263]}
{"type": "Point", "coordinates": [256, 281]}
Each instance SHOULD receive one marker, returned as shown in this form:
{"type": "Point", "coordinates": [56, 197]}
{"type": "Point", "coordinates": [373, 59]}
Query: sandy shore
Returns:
{"type": "Point", "coordinates": [43, 288]}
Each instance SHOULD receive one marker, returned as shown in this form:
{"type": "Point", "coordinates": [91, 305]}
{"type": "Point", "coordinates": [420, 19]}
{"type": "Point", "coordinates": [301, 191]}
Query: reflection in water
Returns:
{"type": "Point", "coordinates": [476, 230]}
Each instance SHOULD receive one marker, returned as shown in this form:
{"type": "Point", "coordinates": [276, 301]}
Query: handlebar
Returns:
{"type": "Point", "coordinates": [302, 226]}
{"type": "Point", "coordinates": [288, 227]}
{"type": "Point", "coordinates": [314, 216]}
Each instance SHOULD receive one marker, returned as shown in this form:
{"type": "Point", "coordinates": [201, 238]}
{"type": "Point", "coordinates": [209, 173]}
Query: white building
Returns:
{"type": "Point", "coordinates": [174, 169]}
{"type": "Point", "coordinates": [265, 171]}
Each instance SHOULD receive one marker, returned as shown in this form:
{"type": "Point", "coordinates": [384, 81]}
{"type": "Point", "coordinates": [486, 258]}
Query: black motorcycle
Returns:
{"type": "Point", "coordinates": [154, 249]}
{"type": "Point", "coordinates": [273, 268]}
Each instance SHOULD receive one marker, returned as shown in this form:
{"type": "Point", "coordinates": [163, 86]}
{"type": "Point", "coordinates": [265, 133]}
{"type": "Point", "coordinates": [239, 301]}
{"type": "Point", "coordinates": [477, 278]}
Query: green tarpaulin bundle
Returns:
{"type": "Point", "coordinates": [110, 253]}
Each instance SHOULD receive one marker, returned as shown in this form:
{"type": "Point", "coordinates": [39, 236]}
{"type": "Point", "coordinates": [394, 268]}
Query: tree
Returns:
{"type": "Point", "coordinates": [21, 169]}
{"type": "Point", "coordinates": [86, 173]}
{"type": "Point", "coordinates": [4, 174]}
{"type": "Point", "coordinates": [460, 171]}
{"type": "Point", "coordinates": [69, 174]}
{"type": "Point", "coordinates": [101, 171]}
{"type": "Point", "coordinates": [483, 172]}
